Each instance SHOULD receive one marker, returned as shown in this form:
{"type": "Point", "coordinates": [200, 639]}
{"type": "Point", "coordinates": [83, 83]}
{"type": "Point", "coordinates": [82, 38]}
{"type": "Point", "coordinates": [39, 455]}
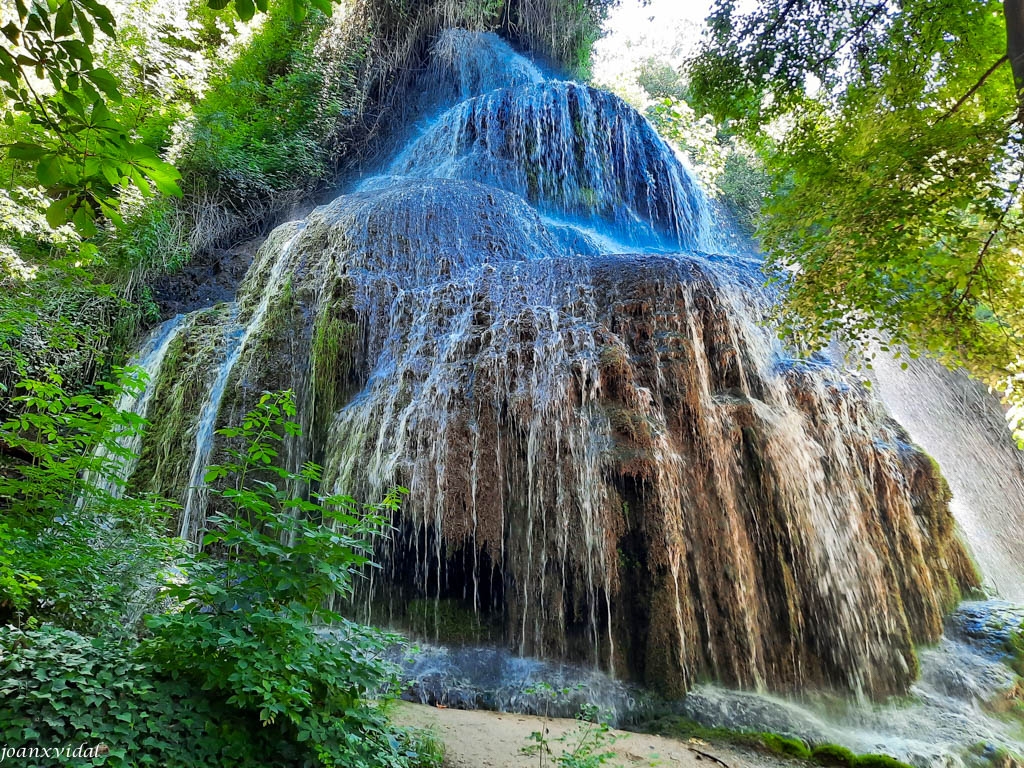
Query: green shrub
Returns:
{"type": "Point", "coordinates": [265, 124]}
{"type": "Point", "coordinates": [72, 549]}
{"type": "Point", "coordinates": [246, 607]}
{"type": "Point", "coordinates": [586, 746]}
{"type": "Point", "coordinates": [58, 687]}
{"type": "Point", "coordinates": [833, 755]}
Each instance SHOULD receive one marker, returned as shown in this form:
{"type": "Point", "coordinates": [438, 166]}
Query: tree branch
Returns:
{"type": "Point", "coordinates": [979, 263]}
{"type": "Point", "coordinates": [974, 88]}
{"type": "Point", "coordinates": [779, 20]}
{"type": "Point", "coordinates": [708, 756]}
{"type": "Point", "coordinates": [853, 35]}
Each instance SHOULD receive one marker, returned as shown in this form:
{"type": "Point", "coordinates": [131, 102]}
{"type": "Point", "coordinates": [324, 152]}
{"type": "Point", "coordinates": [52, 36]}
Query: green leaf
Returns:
{"type": "Point", "coordinates": [101, 15]}
{"type": "Point", "coordinates": [297, 9]}
{"type": "Point", "coordinates": [58, 214]}
{"type": "Point", "coordinates": [106, 82]}
{"type": "Point", "coordinates": [62, 21]}
{"type": "Point", "coordinates": [48, 171]}
{"type": "Point", "coordinates": [163, 175]}
{"type": "Point", "coordinates": [245, 9]}
{"type": "Point", "coordinates": [77, 50]}
{"type": "Point", "coordinates": [110, 172]}
{"type": "Point", "coordinates": [140, 182]}
{"type": "Point", "coordinates": [85, 27]}
{"type": "Point", "coordinates": [12, 32]}
{"type": "Point", "coordinates": [23, 150]}
{"type": "Point", "coordinates": [84, 223]}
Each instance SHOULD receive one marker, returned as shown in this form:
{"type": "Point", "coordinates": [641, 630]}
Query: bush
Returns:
{"type": "Point", "coordinates": [243, 626]}
{"type": "Point", "coordinates": [238, 673]}
{"type": "Point", "coordinates": [265, 125]}
{"type": "Point", "coordinates": [745, 186]}
{"type": "Point", "coordinates": [58, 687]}
{"type": "Point", "coordinates": [73, 550]}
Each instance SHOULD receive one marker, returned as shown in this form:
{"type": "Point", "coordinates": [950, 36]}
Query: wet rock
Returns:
{"type": "Point", "coordinates": [212, 277]}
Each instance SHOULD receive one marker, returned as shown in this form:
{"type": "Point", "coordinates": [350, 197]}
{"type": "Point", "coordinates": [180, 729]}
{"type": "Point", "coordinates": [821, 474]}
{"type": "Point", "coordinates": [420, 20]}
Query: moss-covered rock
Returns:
{"type": "Point", "coordinates": [833, 755]}
{"type": "Point", "coordinates": [787, 746]}
{"type": "Point", "coordinates": [878, 761]}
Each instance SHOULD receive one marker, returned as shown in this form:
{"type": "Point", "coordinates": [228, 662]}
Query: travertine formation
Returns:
{"type": "Point", "coordinates": [609, 456]}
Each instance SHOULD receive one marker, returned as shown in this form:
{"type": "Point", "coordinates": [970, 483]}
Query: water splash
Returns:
{"type": "Point", "coordinates": [951, 709]}
{"type": "Point", "coordinates": [495, 679]}
{"type": "Point", "coordinates": [963, 427]}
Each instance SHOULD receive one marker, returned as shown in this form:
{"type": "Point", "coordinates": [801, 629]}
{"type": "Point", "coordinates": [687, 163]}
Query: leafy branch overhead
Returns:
{"type": "Point", "coordinates": [894, 137]}
{"type": "Point", "coordinates": [84, 153]}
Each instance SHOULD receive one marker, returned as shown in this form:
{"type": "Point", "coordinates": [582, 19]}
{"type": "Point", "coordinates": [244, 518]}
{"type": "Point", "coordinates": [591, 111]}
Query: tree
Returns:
{"type": "Point", "coordinates": [897, 156]}
{"type": "Point", "coordinates": [83, 151]}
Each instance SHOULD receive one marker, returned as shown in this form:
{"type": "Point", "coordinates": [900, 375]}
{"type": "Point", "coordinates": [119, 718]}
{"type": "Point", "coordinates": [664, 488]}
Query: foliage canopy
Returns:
{"type": "Point", "coordinates": [897, 159]}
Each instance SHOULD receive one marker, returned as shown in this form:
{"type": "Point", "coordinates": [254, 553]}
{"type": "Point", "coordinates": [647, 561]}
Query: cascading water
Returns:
{"type": "Point", "coordinates": [572, 150]}
{"type": "Point", "coordinates": [956, 700]}
{"type": "Point", "coordinates": [149, 359]}
{"type": "Point", "coordinates": [610, 458]}
{"type": "Point", "coordinates": [236, 336]}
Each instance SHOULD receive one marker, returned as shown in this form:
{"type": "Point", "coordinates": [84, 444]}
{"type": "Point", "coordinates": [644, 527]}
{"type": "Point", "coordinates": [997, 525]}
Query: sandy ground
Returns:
{"type": "Point", "coordinates": [480, 739]}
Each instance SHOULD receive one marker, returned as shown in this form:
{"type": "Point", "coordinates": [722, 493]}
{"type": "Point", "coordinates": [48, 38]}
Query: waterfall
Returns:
{"type": "Point", "coordinates": [120, 467]}
{"type": "Point", "coordinates": [571, 150]}
{"type": "Point", "coordinates": [234, 343]}
{"type": "Point", "coordinates": [535, 320]}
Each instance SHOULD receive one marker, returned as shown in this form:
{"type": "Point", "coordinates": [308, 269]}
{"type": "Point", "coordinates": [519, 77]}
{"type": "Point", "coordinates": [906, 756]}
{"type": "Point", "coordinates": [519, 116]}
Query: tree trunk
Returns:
{"type": "Point", "coordinates": [1014, 12]}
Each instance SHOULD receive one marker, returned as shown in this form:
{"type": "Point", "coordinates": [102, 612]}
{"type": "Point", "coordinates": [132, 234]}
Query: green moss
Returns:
{"type": "Point", "coordinates": [335, 336]}
{"type": "Point", "coordinates": [829, 755]}
{"type": "Point", "coordinates": [833, 755]}
{"type": "Point", "coordinates": [786, 746]}
{"type": "Point", "coordinates": [629, 423]}
{"type": "Point", "coordinates": [613, 357]}
{"type": "Point", "coordinates": [181, 389]}
{"type": "Point", "coordinates": [683, 728]}
{"type": "Point", "coordinates": [332, 355]}
{"type": "Point", "coordinates": [1015, 650]}
{"type": "Point", "coordinates": [878, 761]}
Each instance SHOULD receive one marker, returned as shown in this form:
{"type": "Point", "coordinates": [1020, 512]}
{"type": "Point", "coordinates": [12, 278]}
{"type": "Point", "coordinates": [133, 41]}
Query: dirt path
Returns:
{"type": "Point", "coordinates": [479, 739]}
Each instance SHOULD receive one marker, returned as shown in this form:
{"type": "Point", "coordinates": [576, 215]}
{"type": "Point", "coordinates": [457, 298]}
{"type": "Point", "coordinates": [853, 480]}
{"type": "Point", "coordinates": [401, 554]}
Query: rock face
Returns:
{"type": "Point", "coordinates": [609, 455]}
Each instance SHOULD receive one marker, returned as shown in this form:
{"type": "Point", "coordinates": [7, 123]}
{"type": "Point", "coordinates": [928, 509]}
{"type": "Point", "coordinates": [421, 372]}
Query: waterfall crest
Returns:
{"type": "Point", "coordinates": [572, 150]}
